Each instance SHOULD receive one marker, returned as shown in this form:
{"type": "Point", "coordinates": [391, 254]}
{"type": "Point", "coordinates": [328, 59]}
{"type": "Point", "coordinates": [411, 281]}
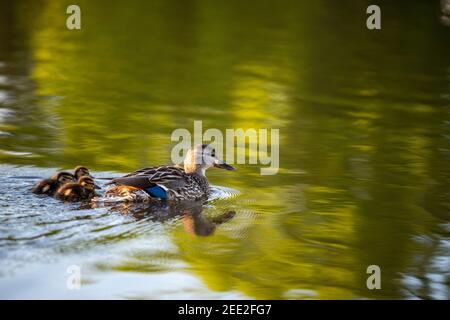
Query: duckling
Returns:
{"type": "Point", "coordinates": [81, 171]}
{"type": "Point", "coordinates": [83, 189]}
{"type": "Point", "coordinates": [50, 185]}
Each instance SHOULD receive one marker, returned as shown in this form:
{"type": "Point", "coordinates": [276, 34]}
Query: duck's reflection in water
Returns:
{"type": "Point", "coordinates": [191, 214]}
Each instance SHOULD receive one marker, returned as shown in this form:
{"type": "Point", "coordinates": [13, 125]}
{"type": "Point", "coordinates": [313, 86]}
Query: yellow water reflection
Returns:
{"type": "Point", "coordinates": [363, 119]}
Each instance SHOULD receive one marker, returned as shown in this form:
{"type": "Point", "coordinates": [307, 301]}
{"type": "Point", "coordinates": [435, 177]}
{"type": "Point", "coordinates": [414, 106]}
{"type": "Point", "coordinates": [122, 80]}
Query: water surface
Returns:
{"type": "Point", "coordinates": [364, 148]}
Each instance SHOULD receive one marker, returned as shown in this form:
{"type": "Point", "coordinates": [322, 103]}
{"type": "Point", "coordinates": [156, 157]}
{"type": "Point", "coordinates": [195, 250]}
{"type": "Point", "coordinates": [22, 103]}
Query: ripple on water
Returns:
{"type": "Point", "coordinates": [219, 192]}
{"type": "Point", "coordinates": [36, 228]}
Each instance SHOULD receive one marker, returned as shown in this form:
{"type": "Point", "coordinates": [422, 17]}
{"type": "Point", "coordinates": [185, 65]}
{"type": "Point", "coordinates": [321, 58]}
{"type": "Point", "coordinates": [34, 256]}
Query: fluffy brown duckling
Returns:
{"type": "Point", "coordinates": [83, 189]}
{"type": "Point", "coordinates": [50, 185]}
{"type": "Point", "coordinates": [81, 171]}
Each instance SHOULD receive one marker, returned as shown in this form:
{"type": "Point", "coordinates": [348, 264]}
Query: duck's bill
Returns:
{"type": "Point", "coordinates": [96, 186]}
{"type": "Point", "coordinates": [223, 165]}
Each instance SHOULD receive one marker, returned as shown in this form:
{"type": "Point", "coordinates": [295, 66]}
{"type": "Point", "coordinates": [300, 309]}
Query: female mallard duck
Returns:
{"type": "Point", "coordinates": [83, 189]}
{"type": "Point", "coordinates": [50, 185]}
{"type": "Point", "coordinates": [81, 171]}
{"type": "Point", "coordinates": [169, 183]}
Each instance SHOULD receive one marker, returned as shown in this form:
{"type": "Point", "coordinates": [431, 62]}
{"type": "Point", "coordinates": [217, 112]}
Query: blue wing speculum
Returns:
{"type": "Point", "coordinates": [157, 192]}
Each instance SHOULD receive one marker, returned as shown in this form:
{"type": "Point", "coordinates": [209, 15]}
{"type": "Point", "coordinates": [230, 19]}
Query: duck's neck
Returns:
{"type": "Point", "coordinates": [195, 169]}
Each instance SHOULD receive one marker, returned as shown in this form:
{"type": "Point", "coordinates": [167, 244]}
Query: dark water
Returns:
{"type": "Point", "coordinates": [364, 121]}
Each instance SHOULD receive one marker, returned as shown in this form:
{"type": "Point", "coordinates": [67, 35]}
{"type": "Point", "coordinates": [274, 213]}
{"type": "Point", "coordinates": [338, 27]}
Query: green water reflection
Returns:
{"type": "Point", "coordinates": [363, 116]}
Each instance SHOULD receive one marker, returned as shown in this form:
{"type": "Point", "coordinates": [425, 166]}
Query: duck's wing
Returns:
{"type": "Point", "coordinates": [148, 177]}
{"type": "Point", "coordinates": [151, 170]}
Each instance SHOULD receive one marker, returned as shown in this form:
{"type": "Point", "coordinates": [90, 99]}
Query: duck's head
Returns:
{"type": "Point", "coordinates": [63, 177]}
{"type": "Point", "coordinates": [201, 157]}
{"type": "Point", "coordinates": [88, 183]}
{"type": "Point", "coordinates": [81, 171]}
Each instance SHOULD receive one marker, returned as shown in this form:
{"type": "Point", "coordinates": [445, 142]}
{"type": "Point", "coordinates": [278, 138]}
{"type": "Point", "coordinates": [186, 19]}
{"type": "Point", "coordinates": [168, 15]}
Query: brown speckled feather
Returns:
{"type": "Point", "coordinates": [147, 177]}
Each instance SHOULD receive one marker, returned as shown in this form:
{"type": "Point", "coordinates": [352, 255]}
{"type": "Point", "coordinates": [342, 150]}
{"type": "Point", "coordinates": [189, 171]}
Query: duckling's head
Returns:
{"type": "Point", "coordinates": [201, 157]}
{"type": "Point", "coordinates": [81, 171]}
{"type": "Point", "coordinates": [63, 177]}
{"type": "Point", "coordinates": [88, 183]}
